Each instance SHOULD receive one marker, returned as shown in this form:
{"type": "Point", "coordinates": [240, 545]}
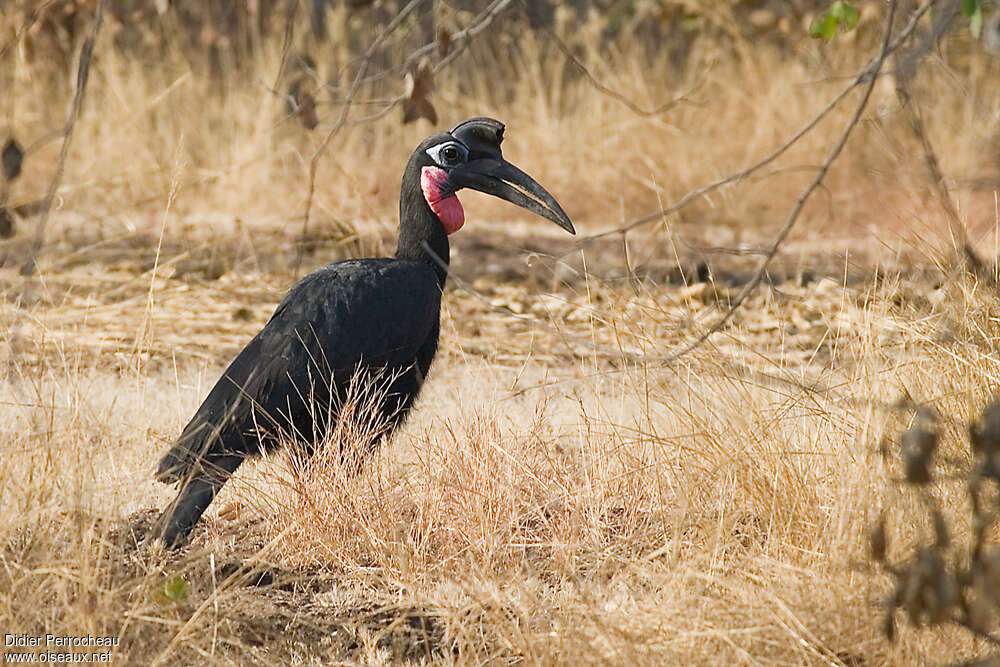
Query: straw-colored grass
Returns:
{"type": "Point", "coordinates": [558, 495]}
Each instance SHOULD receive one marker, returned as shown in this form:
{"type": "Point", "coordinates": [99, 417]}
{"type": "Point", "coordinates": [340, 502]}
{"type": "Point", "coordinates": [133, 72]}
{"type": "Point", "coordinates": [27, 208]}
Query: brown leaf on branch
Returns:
{"type": "Point", "coordinates": [306, 108]}
{"type": "Point", "coordinates": [12, 158]}
{"type": "Point", "coordinates": [419, 84]}
{"type": "Point", "coordinates": [443, 42]}
{"type": "Point", "coordinates": [299, 100]}
{"type": "Point", "coordinates": [7, 226]}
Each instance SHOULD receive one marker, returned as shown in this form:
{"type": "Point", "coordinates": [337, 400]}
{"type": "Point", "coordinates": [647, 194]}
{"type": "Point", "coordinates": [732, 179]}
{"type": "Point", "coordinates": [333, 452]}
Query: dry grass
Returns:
{"type": "Point", "coordinates": [548, 502]}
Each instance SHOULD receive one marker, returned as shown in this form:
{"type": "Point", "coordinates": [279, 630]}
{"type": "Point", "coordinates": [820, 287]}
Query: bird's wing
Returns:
{"type": "Point", "coordinates": [370, 313]}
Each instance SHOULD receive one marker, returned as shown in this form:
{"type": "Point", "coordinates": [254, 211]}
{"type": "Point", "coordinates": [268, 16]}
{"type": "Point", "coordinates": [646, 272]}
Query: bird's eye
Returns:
{"type": "Point", "coordinates": [449, 154]}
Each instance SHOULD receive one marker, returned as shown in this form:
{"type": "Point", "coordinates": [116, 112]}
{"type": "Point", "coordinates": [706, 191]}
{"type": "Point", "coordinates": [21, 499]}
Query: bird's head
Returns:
{"type": "Point", "coordinates": [469, 157]}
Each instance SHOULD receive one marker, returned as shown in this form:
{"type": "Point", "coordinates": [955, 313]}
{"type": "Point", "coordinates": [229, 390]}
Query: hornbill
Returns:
{"type": "Point", "coordinates": [353, 318]}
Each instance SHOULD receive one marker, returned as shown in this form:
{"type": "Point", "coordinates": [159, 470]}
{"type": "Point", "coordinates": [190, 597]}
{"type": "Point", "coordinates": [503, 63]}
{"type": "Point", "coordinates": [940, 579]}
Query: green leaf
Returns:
{"type": "Point", "coordinates": [845, 14]}
{"type": "Point", "coordinates": [824, 27]}
{"type": "Point", "coordinates": [841, 15]}
{"type": "Point", "coordinates": [176, 588]}
{"type": "Point", "coordinates": [976, 22]}
{"type": "Point", "coordinates": [970, 7]}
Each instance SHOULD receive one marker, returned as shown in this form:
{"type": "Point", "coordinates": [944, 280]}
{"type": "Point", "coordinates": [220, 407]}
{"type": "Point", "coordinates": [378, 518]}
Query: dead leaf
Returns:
{"type": "Point", "coordinates": [419, 84]}
{"type": "Point", "coordinates": [443, 42]}
{"type": "Point", "coordinates": [303, 104]}
{"type": "Point", "coordinates": [307, 111]}
{"type": "Point", "coordinates": [7, 227]}
{"type": "Point", "coordinates": [13, 157]}
{"type": "Point", "coordinates": [243, 314]}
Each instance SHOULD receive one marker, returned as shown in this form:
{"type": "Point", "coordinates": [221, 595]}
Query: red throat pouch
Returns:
{"type": "Point", "coordinates": [448, 209]}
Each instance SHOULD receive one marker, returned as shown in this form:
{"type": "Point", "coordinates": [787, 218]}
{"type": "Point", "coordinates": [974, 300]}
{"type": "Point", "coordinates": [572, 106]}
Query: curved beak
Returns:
{"type": "Point", "coordinates": [501, 179]}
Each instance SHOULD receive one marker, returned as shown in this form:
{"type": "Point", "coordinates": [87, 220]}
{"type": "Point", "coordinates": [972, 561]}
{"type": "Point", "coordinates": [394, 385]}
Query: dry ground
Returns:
{"type": "Point", "coordinates": [560, 495]}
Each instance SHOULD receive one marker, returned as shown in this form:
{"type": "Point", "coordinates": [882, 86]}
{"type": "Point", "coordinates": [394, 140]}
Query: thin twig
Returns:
{"type": "Point", "coordinates": [610, 92]}
{"type": "Point", "coordinates": [286, 45]}
{"type": "Point", "coordinates": [83, 72]}
{"type": "Point", "coordinates": [804, 197]}
{"type": "Point", "coordinates": [30, 21]}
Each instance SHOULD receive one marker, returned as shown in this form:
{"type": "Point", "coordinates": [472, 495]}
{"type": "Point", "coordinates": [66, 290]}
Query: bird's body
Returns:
{"type": "Point", "coordinates": [376, 320]}
{"type": "Point", "coordinates": [280, 385]}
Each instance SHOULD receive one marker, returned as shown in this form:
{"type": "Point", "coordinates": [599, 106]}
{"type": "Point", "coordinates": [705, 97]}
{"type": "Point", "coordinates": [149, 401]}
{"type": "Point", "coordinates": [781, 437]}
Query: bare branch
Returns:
{"type": "Point", "coordinates": [614, 94]}
{"type": "Point", "coordinates": [793, 217]}
{"type": "Point", "coordinates": [286, 44]}
{"type": "Point", "coordinates": [82, 74]}
{"type": "Point", "coordinates": [866, 74]}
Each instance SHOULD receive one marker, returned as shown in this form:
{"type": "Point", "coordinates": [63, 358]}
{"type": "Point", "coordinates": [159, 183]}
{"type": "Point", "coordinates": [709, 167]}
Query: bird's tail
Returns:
{"type": "Point", "coordinates": [198, 488]}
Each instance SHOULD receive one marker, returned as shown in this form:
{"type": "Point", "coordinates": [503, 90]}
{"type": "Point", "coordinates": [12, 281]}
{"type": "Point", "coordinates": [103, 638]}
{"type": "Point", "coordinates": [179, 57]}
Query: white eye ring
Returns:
{"type": "Point", "coordinates": [448, 154]}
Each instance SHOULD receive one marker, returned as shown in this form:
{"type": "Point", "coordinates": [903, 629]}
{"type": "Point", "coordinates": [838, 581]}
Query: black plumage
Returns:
{"type": "Point", "coordinates": [374, 317]}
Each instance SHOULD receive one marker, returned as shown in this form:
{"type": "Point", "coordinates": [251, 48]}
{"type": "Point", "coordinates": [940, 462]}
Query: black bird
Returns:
{"type": "Point", "coordinates": [359, 317]}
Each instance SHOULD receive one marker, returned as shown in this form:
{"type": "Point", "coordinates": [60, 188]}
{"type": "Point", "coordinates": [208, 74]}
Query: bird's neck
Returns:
{"type": "Point", "coordinates": [422, 237]}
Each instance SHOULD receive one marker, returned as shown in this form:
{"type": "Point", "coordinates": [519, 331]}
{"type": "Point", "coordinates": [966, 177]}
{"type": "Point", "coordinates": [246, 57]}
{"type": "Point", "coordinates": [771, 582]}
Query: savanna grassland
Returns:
{"type": "Point", "coordinates": [566, 491]}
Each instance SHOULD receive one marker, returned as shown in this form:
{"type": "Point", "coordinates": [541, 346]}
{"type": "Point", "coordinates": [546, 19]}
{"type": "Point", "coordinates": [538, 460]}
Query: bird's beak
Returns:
{"type": "Point", "coordinates": [500, 178]}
